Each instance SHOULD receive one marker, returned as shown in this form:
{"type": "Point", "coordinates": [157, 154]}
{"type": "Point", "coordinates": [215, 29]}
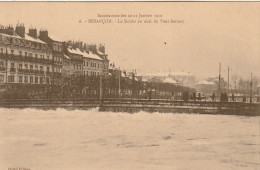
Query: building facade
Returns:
{"type": "Point", "coordinates": [56, 47]}
{"type": "Point", "coordinates": [47, 64]}
{"type": "Point", "coordinates": [93, 65]}
{"type": "Point", "coordinates": [23, 57]}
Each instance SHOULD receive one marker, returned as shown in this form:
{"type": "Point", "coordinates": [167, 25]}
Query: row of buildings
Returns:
{"type": "Point", "coordinates": [39, 58]}
{"type": "Point", "coordinates": [36, 65]}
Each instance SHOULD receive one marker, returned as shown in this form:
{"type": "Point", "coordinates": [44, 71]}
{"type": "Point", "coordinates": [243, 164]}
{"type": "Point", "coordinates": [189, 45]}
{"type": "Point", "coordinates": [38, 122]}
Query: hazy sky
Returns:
{"type": "Point", "coordinates": [211, 33]}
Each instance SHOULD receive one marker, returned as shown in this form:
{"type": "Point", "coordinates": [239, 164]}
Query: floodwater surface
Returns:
{"type": "Point", "coordinates": [65, 140]}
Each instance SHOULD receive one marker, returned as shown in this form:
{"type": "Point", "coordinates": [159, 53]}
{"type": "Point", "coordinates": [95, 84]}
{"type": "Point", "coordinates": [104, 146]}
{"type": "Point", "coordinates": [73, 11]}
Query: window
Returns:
{"type": "Point", "coordinates": [26, 66]}
{"type": "Point", "coordinates": [25, 79]}
{"type": "Point", "coordinates": [36, 79]}
{"type": "Point", "coordinates": [12, 52]}
{"type": "Point", "coordinates": [36, 67]}
{"type": "Point", "coordinates": [25, 53]}
{"type": "Point", "coordinates": [41, 80]}
{"type": "Point", "coordinates": [2, 78]}
{"type": "Point", "coordinates": [11, 79]}
{"type": "Point", "coordinates": [36, 55]}
{"type": "Point", "coordinates": [21, 53]}
{"type": "Point", "coordinates": [31, 67]}
{"type": "Point", "coordinates": [31, 79]}
{"type": "Point", "coordinates": [12, 65]}
{"type": "Point", "coordinates": [87, 64]}
{"type": "Point", "coordinates": [2, 51]}
{"type": "Point", "coordinates": [48, 69]}
{"type": "Point", "coordinates": [20, 79]}
{"type": "Point", "coordinates": [20, 66]}
{"type": "Point", "coordinates": [1, 64]}
{"type": "Point", "coordinates": [41, 68]}
{"type": "Point", "coordinates": [84, 63]}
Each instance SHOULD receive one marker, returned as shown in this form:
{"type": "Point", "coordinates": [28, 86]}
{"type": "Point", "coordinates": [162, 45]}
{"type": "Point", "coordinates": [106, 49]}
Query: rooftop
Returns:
{"type": "Point", "coordinates": [170, 80]}
{"type": "Point", "coordinates": [26, 37]}
{"type": "Point", "coordinates": [84, 54]}
{"type": "Point", "coordinates": [166, 74]}
{"type": "Point", "coordinates": [54, 38]}
{"type": "Point", "coordinates": [205, 82]}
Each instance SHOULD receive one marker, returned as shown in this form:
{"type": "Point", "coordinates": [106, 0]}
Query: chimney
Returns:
{"type": "Point", "coordinates": [1, 29]}
{"type": "Point", "coordinates": [44, 35]}
{"type": "Point", "coordinates": [20, 30]}
{"type": "Point", "coordinates": [8, 30]}
{"type": "Point", "coordinates": [33, 33]}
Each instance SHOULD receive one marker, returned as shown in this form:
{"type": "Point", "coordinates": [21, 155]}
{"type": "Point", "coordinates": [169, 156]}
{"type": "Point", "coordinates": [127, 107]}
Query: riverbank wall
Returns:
{"type": "Point", "coordinates": [136, 105]}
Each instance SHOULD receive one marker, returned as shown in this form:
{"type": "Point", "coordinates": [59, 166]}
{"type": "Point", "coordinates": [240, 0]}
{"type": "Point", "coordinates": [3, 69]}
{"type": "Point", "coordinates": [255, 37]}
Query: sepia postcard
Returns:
{"type": "Point", "coordinates": [129, 85]}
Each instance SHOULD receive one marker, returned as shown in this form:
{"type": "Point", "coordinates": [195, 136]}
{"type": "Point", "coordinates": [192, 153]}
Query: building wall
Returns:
{"type": "Point", "coordinates": [92, 67]}
{"type": "Point", "coordinates": [76, 67]}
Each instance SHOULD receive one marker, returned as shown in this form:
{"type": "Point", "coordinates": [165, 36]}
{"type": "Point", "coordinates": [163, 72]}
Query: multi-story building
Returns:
{"type": "Point", "coordinates": [93, 65]}
{"type": "Point", "coordinates": [44, 61]}
{"type": "Point", "coordinates": [82, 62]}
{"type": "Point", "coordinates": [23, 57]}
{"type": "Point", "coordinates": [56, 47]}
{"type": "Point", "coordinates": [76, 61]}
{"type": "Point", "coordinates": [105, 62]}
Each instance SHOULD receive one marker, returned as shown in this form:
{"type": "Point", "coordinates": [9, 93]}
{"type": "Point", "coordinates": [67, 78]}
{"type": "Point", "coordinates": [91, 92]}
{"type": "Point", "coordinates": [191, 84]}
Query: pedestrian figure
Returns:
{"type": "Point", "coordinates": [233, 97]}
{"type": "Point", "coordinates": [172, 95]}
{"type": "Point", "coordinates": [185, 96]}
{"type": "Point", "coordinates": [199, 98]}
{"type": "Point", "coordinates": [194, 96]}
{"type": "Point", "coordinates": [213, 97]}
{"type": "Point", "coordinates": [222, 97]}
{"type": "Point", "coordinates": [226, 97]}
{"type": "Point", "coordinates": [150, 94]}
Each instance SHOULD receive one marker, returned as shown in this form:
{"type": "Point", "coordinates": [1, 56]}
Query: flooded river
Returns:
{"type": "Point", "coordinates": [65, 140]}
